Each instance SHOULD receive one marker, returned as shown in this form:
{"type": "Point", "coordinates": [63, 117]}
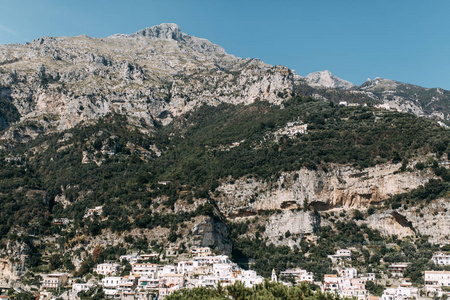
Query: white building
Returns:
{"type": "Point", "coordinates": [397, 269]}
{"type": "Point", "coordinates": [348, 272]}
{"type": "Point", "coordinates": [202, 251]}
{"type": "Point", "coordinates": [126, 285]}
{"type": "Point", "coordinates": [209, 281]}
{"type": "Point", "coordinates": [167, 269]}
{"type": "Point", "coordinates": [148, 284]}
{"type": "Point", "coordinates": [341, 254]}
{"type": "Point", "coordinates": [299, 275]}
{"type": "Point", "coordinates": [108, 269]}
{"type": "Point", "coordinates": [187, 266]}
{"type": "Point", "coordinates": [111, 282]}
{"type": "Point", "coordinates": [150, 270]}
{"type": "Point", "coordinates": [442, 259]}
{"type": "Point", "coordinates": [131, 258]}
{"type": "Point", "coordinates": [96, 211]}
{"type": "Point", "coordinates": [400, 293]}
{"type": "Point", "coordinates": [368, 277]}
{"type": "Point", "coordinates": [436, 280]}
{"type": "Point", "coordinates": [222, 270]}
{"type": "Point", "coordinates": [149, 256]}
{"type": "Point", "coordinates": [294, 128]}
{"type": "Point", "coordinates": [54, 281]}
{"type": "Point", "coordinates": [333, 283]}
{"type": "Point", "coordinates": [356, 288]}
{"type": "Point", "coordinates": [211, 259]}
{"type": "Point", "coordinates": [249, 278]}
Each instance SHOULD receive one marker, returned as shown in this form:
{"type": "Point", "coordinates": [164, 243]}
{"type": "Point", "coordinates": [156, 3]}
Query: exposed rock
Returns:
{"type": "Point", "coordinates": [432, 219]}
{"type": "Point", "coordinates": [391, 223]}
{"type": "Point", "coordinates": [340, 187]}
{"type": "Point", "coordinates": [212, 233]}
{"type": "Point", "coordinates": [282, 227]}
{"type": "Point", "coordinates": [12, 266]}
{"type": "Point", "coordinates": [327, 80]}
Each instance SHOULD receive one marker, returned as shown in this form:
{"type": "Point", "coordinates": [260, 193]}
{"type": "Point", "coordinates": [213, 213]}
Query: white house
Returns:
{"type": "Point", "coordinates": [97, 211]}
{"type": "Point", "coordinates": [397, 269]}
{"type": "Point", "coordinates": [187, 266]}
{"type": "Point", "coordinates": [148, 284]}
{"type": "Point", "coordinates": [147, 269]}
{"type": "Point", "coordinates": [250, 278]}
{"type": "Point", "coordinates": [54, 281]}
{"type": "Point", "coordinates": [341, 254]}
{"type": "Point", "coordinates": [348, 272]}
{"type": "Point", "coordinates": [111, 282]}
{"type": "Point", "coordinates": [108, 269]}
{"type": "Point", "coordinates": [202, 251]}
{"type": "Point", "coordinates": [356, 288]}
{"type": "Point", "coordinates": [441, 258]}
{"type": "Point", "coordinates": [436, 280]}
{"type": "Point", "coordinates": [299, 275]}
{"type": "Point", "coordinates": [400, 293]}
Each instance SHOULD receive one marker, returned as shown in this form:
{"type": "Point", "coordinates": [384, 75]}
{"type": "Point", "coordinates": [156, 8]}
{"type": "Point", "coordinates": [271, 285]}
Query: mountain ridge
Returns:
{"type": "Point", "coordinates": [158, 73]}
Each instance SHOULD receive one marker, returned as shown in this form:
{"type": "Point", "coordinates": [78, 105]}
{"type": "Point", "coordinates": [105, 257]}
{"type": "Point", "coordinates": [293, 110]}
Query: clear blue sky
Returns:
{"type": "Point", "coordinates": [407, 41]}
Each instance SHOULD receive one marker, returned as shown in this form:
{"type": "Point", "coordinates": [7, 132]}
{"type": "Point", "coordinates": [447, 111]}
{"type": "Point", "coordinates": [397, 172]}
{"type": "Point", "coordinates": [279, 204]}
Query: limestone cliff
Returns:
{"type": "Point", "coordinates": [339, 187]}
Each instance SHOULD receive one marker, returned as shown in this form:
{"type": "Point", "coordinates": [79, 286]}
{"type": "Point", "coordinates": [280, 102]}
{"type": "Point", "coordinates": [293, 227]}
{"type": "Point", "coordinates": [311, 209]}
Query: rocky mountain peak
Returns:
{"type": "Point", "coordinates": [327, 80]}
{"type": "Point", "coordinates": [172, 32]}
{"type": "Point", "coordinates": [164, 31]}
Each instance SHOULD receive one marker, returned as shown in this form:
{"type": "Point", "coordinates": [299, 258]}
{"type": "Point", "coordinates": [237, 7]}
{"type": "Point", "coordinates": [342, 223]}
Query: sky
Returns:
{"type": "Point", "coordinates": [407, 41]}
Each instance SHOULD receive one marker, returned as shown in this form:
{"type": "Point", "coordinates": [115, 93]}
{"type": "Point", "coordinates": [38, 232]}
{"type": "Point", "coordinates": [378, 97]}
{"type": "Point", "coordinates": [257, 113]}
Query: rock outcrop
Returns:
{"type": "Point", "coordinates": [212, 233]}
{"type": "Point", "coordinates": [287, 227]}
{"type": "Point", "coordinates": [339, 187]}
{"type": "Point", "coordinates": [325, 79]}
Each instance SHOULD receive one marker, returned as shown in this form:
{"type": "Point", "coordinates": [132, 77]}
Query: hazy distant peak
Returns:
{"type": "Point", "coordinates": [327, 80]}
{"type": "Point", "coordinates": [379, 82]}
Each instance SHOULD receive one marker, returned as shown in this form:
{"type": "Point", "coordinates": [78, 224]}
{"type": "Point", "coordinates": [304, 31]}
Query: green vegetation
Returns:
{"type": "Point", "coordinates": [267, 290]}
{"type": "Point", "coordinates": [8, 111]}
{"type": "Point", "coordinates": [358, 136]}
{"type": "Point", "coordinates": [115, 165]}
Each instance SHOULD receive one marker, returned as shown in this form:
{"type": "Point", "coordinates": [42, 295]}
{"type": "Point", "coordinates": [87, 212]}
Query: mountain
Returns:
{"type": "Point", "coordinates": [150, 76]}
{"type": "Point", "coordinates": [327, 80]}
{"type": "Point", "coordinates": [157, 138]}
{"type": "Point", "coordinates": [54, 83]}
{"type": "Point", "coordinates": [410, 98]}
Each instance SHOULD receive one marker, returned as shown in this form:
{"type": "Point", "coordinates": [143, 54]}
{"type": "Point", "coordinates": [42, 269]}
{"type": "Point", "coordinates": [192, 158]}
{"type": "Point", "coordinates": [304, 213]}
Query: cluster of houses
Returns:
{"type": "Point", "coordinates": [147, 279]}
{"type": "Point", "coordinates": [201, 268]}
{"type": "Point", "coordinates": [294, 128]}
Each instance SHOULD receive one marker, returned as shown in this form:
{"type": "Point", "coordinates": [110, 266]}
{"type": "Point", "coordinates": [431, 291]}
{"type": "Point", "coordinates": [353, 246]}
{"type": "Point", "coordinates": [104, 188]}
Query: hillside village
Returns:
{"type": "Point", "coordinates": [155, 276]}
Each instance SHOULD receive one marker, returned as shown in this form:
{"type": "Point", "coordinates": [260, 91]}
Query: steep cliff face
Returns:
{"type": "Point", "coordinates": [340, 187]}
{"type": "Point", "coordinates": [212, 233]}
{"type": "Point", "coordinates": [289, 226]}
